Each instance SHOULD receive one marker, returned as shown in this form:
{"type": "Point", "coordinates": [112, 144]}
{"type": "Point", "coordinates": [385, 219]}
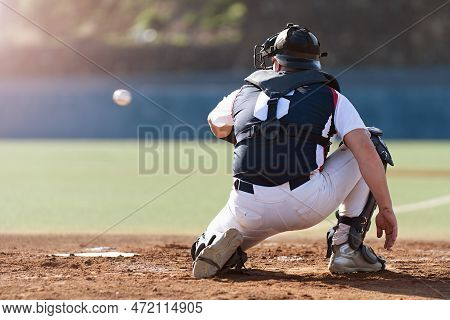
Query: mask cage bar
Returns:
{"type": "Point", "coordinates": [261, 61]}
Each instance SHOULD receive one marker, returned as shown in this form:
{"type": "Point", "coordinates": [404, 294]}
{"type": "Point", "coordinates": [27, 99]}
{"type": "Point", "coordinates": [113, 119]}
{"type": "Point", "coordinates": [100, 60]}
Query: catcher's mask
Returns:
{"type": "Point", "coordinates": [295, 47]}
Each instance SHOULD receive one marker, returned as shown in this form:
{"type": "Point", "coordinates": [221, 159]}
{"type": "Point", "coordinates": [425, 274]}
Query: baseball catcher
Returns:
{"type": "Point", "coordinates": [281, 122]}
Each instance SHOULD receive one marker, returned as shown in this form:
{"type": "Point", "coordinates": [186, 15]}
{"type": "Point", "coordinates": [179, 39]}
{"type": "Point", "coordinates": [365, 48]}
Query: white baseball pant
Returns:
{"type": "Point", "coordinates": [272, 210]}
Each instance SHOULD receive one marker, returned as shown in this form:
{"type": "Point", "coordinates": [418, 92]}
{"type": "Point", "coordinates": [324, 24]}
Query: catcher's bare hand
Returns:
{"type": "Point", "coordinates": [387, 222]}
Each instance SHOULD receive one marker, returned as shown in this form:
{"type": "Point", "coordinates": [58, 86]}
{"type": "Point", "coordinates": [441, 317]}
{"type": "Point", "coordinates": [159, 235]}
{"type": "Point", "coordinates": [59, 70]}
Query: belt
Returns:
{"type": "Point", "coordinates": [248, 187]}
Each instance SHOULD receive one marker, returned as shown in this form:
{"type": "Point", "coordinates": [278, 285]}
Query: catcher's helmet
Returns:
{"type": "Point", "coordinates": [295, 47]}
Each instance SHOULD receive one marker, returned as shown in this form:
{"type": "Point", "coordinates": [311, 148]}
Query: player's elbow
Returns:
{"type": "Point", "coordinates": [219, 132]}
{"type": "Point", "coordinates": [222, 132]}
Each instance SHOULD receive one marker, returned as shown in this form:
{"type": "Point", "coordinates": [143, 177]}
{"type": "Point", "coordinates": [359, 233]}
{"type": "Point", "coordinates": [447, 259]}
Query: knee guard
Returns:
{"type": "Point", "coordinates": [380, 146]}
{"type": "Point", "coordinates": [361, 224]}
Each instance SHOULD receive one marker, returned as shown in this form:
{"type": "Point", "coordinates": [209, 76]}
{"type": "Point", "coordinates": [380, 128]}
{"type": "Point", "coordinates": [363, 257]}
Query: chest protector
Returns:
{"type": "Point", "coordinates": [275, 150]}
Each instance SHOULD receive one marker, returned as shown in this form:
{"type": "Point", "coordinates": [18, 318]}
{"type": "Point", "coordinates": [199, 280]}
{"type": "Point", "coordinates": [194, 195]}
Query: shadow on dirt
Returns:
{"type": "Point", "coordinates": [389, 282]}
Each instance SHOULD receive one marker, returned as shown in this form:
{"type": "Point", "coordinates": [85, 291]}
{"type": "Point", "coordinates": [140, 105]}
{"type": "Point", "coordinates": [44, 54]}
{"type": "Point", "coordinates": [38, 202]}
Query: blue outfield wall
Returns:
{"type": "Point", "coordinates": [405, 103]}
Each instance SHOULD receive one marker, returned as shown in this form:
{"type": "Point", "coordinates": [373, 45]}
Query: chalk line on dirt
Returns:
{"type": "Point", "coordinates": [425, 204]}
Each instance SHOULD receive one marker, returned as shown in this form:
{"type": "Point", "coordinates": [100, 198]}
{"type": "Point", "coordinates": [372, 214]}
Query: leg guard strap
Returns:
{"type": "Point", "coordinates": [358, 225]}
{"type": "Point", "coordinates": [361, 224]}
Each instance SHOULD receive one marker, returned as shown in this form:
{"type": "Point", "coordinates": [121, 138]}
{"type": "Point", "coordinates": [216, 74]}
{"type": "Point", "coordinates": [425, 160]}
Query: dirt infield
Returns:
{"type": "Point", "coordinates": [276, 270]}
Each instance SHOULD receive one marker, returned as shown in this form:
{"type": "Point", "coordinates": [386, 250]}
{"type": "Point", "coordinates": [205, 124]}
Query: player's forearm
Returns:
{"type": "Point", "coordinates": [371, 167]}
{"type": "Point", "coordinates": [373, 173]}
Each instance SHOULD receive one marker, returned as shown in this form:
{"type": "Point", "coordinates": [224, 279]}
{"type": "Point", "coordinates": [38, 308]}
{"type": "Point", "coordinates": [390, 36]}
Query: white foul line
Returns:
{"type": "Point", "coordinates": [426, 204]}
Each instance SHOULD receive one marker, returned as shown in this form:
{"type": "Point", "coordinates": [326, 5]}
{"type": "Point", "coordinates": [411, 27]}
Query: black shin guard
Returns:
{"type": "Point", "coordinates": [361, 224]}
{"type": "Point", "coordinates": [196, 248]}
{"type": "Point", "coordinates": [236, 261]}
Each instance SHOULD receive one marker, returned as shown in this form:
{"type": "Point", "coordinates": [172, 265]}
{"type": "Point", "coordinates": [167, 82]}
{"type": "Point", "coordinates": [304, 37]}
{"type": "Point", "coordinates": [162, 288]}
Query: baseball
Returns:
{"type": "Point", "coordinates": [122, 97]}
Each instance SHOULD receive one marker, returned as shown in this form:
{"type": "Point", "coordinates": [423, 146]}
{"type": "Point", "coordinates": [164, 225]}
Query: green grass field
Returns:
{"type": "Point", "coordinates": [75, 186]}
